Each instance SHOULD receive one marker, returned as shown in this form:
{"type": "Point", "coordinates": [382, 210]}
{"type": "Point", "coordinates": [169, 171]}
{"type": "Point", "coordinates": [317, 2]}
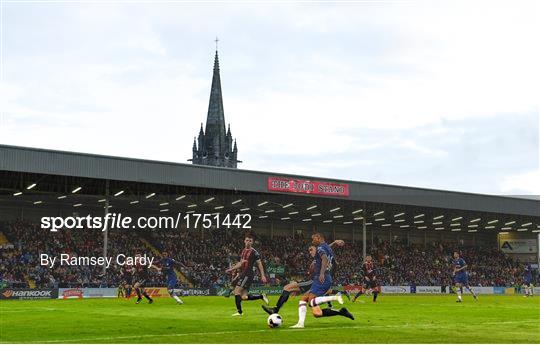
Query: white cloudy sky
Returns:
{"type": "Point", "coordinates": [438, 94]}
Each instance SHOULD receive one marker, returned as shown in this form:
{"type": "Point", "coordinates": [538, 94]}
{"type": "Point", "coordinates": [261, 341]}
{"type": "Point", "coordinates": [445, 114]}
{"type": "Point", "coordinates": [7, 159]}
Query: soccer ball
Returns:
{"type": "Point", "coordinates": [274, 320]}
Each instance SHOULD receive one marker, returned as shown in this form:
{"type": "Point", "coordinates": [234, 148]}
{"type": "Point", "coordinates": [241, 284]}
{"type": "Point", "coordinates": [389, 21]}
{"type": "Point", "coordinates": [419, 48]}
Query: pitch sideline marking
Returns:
{"type": "Point", "coordinates": [184, 334]}
{"type": "Point", "coordinates": [253, 331]}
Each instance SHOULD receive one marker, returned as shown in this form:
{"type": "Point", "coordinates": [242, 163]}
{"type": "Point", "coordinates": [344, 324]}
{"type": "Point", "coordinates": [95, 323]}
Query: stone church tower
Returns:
{"type": "Point", "coordinates": [214, 146]}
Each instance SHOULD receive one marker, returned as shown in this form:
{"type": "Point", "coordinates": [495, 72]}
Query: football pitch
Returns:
{"type": "Point", "coordinates": [393, 319]}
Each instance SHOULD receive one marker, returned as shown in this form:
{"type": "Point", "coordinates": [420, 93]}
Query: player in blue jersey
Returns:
{"type": "Point", "coordinates": [528, 281]}
{"type": "Point", "coordinates": [167, 268]}
{"type": "Point", "coordinates": [322, 283]}
{"type": "Point", "coordinates": [461, 278]}
{"type": "Point", "coordinates": [294, 287]}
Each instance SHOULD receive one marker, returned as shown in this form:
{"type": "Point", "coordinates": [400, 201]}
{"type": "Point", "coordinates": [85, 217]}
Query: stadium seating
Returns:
{"type": "Point", "coordinates": [205, 257]}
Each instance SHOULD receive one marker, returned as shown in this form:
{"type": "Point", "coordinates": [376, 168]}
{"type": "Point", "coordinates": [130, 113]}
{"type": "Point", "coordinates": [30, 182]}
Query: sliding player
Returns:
{"type": "Point", "coordinates": [527, 281]}
{"type": "Point", "coordinates": [300, 287]}
{"type": "Point", "coordinates": [370, 279]}
{"type": "Point", "coordinates": [167, 265]}
{"type": "Point", "coordinates": [248, 258]}
{"type": "Point", "coordinates": [461, 278]}
{"type": "Point", "coordinates": [322, 282]}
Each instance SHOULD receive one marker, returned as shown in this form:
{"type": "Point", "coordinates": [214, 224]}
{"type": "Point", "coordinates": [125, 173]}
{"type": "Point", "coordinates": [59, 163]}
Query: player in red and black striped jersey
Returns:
{"type": "Point", "coordinates": [249, 257]}
{"type": "Point", "coordinates": [140, 276]}
{"type": "Point", "coordinates": [370, 279]}
{"type": "Point", "coordinates": [127, 279]}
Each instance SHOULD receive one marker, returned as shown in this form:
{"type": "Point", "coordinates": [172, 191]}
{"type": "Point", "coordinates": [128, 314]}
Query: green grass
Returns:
{"type": "Point", "coordinates": [393, 319]}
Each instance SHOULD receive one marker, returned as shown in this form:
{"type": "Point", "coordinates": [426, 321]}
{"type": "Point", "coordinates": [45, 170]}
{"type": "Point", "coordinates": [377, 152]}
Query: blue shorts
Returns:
{"type": "Point", "coordinates": [171, 283]}
{"type": "Point", "coordinates": [461, 279]}
{"type": "Point", "coordinates": [527, 280]}
{"type": "Point", "coordinates": [320, 289]}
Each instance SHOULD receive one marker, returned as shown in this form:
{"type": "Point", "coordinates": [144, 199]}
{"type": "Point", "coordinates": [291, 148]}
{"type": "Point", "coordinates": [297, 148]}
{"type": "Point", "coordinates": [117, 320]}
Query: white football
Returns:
{"type": "Point", "coordinates": [274, 320]}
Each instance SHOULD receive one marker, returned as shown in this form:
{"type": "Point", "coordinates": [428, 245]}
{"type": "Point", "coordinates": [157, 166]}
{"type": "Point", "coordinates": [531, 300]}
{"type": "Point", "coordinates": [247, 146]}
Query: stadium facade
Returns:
{"type": "Point", "coordinates": [278, 203]}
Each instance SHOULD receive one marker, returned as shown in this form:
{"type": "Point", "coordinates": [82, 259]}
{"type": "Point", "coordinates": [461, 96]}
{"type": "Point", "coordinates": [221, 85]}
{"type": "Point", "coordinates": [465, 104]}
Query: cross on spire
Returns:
{"type": "Point", "coordinates": [216, 40]}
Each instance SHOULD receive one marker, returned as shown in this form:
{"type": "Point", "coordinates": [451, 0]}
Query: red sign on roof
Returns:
{"type": "Point", "coordinates": [290, 185]}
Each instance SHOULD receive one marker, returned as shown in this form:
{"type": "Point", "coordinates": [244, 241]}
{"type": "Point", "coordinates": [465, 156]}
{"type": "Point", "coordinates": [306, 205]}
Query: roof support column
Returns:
{"type": "Point", "coordinates": [408, 238]}
{"type": "Point", "coordinates": [364, 251]}
{"type": "Point", "coordinates": [364, 237]}
{"type": "Point", "coordinates": [106, 230]}
{"type": "Point", "coordinates": [202, 230]}
{"type": "Point", "coordinates": [538, 250]}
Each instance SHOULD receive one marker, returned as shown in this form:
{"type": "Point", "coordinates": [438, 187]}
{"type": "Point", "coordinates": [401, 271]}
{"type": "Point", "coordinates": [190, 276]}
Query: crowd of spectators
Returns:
{"type": "Point", "coordinates": [20, 259]}
{"type": "Point", "coordinates": [401, 264]}
{"type": "Point", "coordinates": [204, 257]}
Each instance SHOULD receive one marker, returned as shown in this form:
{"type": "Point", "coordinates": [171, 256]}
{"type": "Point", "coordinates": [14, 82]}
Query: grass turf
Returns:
{"type": "Point", "coordinates": [393, 319]}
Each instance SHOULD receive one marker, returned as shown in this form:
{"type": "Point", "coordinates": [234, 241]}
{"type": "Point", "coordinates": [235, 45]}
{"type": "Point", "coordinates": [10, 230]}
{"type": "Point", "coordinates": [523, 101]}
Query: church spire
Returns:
{"type": "Point", "coordinates": [215, 119]}
{"type": "Point", "coordinates": [215, 142]}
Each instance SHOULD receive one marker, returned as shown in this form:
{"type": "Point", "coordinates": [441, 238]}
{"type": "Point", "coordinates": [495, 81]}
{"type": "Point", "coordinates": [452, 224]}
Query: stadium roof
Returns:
{"type": "Point", "coordinates": [393, 200]}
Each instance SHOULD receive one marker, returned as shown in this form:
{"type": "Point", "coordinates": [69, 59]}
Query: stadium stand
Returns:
{"type": "Point", "coordinates": [205, 256]}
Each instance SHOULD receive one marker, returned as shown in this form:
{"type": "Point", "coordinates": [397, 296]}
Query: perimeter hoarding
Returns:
{"type": "Point", "coordinates": [396, 289]}
{"type": "Point", "coordinates": [28, 293]}
{"type": "Point", "coordinates": [66, 293]}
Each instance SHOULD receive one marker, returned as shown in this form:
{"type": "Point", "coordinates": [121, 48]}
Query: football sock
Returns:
{"type": "Point", "coordinates": [357, 294]}
{"type": "Point", "coordinates": [458, 292]}
{"type": "Point", "coordinates": [175, 296]}
{"type": "Point", "coordinates": [238, 300]}
{"type": "Point", "coordinates": [138, 292]}
{"type": "Point", "coordinates": [146, 295]}
{"type": "Point", "coordinates": [251, 297]}
{"type": "Point", "coordinates": [330, 312]}
{"type": "Point", "coordinates": [375, 294]}
{"type": "Point", "coordinates": [282, 299]}
{"type": "Point", "coordinates": [319, 300]}
{"type": "Point", "coordinates": [302, 310]}
{"type": "Point", "coordinates": [128, 292]}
